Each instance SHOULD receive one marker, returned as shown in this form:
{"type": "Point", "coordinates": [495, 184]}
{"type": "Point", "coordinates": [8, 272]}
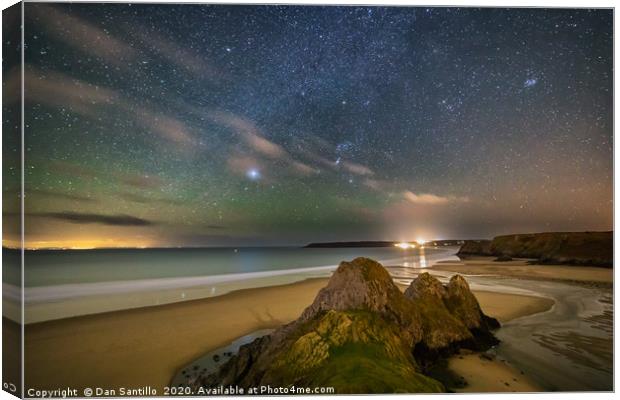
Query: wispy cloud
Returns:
{"type": "Point", "coordinates": [216, 227]}
{"type": "Point", "coordinates": [59, 195]}
{"type": "Point", "coordinates": [317, 159]}
{"type": "Point", "coordinates": [240, 164]}
{"type": "Point", "coordinates": [357, 169]}
{"type": "Point", "coordinates": [144, 199]}
{"type": "Point", "coordinates": [264, 148]}
{"type": "Point", "coordinates": [88, 218]}
{"type": "Point", "coordinates": [316, 151]}
{"type": "Point", "coordinates": [303, 169]}
{"type": "Point", "coordinates": [141, 181]}
{"type": "Point", "coordinates": [71, 169]}
{"type": "Point", "coordinates": [131, 179]}
{"type": "Point", "coordinates": [165, 126]}
{"type": "Point", "coordinates": [432, 199]}
{"type": "Point", "coordinates": [96, 41]}
{"type": "Point", "coordinates": [375, 184]}
{"type": "Point", "coordinates": [83, 35]}
{"type": "Point", "coordinates": [136, 198]}
{"type": "Point", "coordinates": [250, 133]}
{"type": "Point", "coordinates": [59, 90]}
{"type": "Point", "coordinates": [183, 58]}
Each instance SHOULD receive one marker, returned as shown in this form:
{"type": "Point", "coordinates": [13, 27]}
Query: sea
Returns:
{"type": "Point", "coordinates": [66, 283]}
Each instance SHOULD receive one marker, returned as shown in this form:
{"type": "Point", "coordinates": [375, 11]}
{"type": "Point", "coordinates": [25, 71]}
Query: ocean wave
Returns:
{"type": "Point", "coordinates": [44, 294]}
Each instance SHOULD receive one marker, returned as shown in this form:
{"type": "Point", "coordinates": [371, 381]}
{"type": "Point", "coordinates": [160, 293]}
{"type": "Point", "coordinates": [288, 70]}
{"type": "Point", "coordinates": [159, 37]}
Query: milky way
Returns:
{"type": "Point", "coordinates": [188, 125]}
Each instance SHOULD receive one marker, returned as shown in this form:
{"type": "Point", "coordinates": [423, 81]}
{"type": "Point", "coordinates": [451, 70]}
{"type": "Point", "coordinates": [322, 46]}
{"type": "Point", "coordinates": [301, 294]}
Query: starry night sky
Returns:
{"type": "Point", "coordinates": [191, 125]}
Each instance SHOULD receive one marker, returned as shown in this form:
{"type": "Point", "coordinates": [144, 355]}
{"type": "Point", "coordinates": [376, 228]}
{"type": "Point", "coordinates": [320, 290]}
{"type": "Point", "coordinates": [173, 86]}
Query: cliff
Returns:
{"type": "Point", "coordinates": [578, 248]}
{"type": "Point", "coordinates": [475, 247]}
{"type": "Point", "coordinates": [361, 334]}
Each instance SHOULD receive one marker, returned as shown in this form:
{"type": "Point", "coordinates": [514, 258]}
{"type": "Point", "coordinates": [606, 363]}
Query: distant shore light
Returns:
{"type": "Point", "coordinates": [404, 245]}
{"type": "Point", "coordinates": [420, 241]}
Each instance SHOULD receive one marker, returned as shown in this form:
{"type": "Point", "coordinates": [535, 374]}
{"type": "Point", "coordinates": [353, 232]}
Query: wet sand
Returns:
{"type": "Point", "coordinates": [506, 307]}
{"type": "Point", "coordinates": [569, 348]}
{"type": "Point", "coordinates": [147, 346]}
{"type": "Point", "coordinates": [519, 268]}
{"type": "Point", "coordinates": [483, 375]}
{"type": "Point", "coordinates": [498, 376]}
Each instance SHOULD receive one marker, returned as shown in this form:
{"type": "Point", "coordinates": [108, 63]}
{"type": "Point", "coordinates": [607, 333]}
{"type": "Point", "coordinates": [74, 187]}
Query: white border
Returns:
{"type": "Point", "coordinates": [482, 3]}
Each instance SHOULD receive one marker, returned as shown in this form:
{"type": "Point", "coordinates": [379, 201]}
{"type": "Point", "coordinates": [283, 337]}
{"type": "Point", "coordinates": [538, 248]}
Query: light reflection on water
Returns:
{"type": "Point", "coordinates": [422, 257]}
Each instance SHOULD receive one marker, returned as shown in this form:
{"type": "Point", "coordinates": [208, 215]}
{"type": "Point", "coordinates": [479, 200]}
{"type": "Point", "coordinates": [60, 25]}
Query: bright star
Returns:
{"type": "Point", "coordinates": [530, 82]}
{"type": "Point", "coordinates": [253, 174]}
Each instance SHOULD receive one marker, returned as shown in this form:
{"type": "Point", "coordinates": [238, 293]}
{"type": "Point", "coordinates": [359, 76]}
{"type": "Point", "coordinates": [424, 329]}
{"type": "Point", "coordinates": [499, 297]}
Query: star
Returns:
{"type": "Point", "coordinates": [253, 174]}
{"type": "Point", "coordinates": [381, 113]}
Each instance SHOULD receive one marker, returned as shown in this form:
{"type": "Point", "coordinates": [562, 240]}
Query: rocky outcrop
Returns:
{"type": "Point", "coordinates": [363, 335]}
{"type": "Point", "coordinates": [451, 317]}
{"type": "Point", "coordinates": [363, 284]}
{"type": "Point", "coordinates": [463, 304]}
{"type": "Point", "coordinates": [577, 248]}
{"type": "Point", "coordinates": [425, 288]}
{"type": "Point", "coordinates": [439, 327]}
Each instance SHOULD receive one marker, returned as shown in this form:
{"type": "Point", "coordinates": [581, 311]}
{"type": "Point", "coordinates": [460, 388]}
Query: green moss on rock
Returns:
{"type": "Point", "coordinates": [356, 352]}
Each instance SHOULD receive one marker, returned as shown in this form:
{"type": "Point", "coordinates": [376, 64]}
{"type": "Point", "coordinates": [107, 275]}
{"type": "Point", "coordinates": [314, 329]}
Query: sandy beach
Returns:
{"type": "Point", "coordinates": [147, 346]}
{"type": "Point", "coordinates": [489, 376]}
{"type": "Point", "coordinates": [519, 268]}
